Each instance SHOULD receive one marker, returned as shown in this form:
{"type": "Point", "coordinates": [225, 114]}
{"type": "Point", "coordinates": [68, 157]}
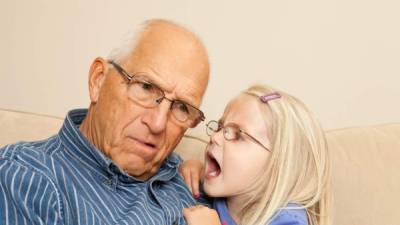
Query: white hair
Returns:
{"type": "Point", "coordinates": [132, 38]}
{"type": "Point", "coordinates": [128, 43]}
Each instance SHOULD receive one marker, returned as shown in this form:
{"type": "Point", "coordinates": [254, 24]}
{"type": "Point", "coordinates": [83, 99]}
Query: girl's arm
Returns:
{"type": "Point", "coordinates": [193, 172]}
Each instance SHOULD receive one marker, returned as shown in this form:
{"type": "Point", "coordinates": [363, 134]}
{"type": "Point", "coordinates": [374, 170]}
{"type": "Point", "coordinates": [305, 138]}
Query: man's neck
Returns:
{"type": "Point", "coordinates": [87, 128]}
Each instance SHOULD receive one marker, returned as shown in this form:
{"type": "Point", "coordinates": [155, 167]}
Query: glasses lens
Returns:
{"type": "Point", "coordinates": [150, 95]}
{"type": "Point", "coordinates": [182, 111]}
{"type": "Point", "coordinates": [186, 113]}
{"type": "Point", "coordinates": [145, 93]}
{"type": "Point", "coordinates": [212, 127]}
{"type": "Point", "coordinates": [231, 132]}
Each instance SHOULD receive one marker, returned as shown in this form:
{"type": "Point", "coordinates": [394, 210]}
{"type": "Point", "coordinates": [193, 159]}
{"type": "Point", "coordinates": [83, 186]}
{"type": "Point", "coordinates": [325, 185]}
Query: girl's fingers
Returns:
{"type": "Point", "coordinates": [187, 177]}
{"type": "Point", "coordinates": [195, 182]}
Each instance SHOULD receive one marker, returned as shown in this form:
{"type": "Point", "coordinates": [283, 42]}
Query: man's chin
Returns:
{"type": "Point", "coordinates": [140, 173]}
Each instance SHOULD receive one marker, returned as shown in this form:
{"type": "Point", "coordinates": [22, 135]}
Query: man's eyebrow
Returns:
{"type": "Point", "coordinates": [186, 100]}
{"type": "Point", "coordinates": [154, 78]}
{"type": "Point", "coordinates": [149, 78]}
{"type": "Point", "coordinates": [146, 77]}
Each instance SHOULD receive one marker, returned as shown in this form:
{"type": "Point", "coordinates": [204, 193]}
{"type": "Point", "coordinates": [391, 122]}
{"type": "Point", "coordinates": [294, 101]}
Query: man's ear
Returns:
{"type": "Point", "coordinates": [97, 75]}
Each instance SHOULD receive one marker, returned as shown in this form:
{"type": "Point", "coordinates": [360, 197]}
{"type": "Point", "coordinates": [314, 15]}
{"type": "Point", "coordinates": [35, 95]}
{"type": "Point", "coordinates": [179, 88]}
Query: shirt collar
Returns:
{"type": "Point", "coordinates": [80, 146]}
{"type": "Point", "coordinates": [220, 206]}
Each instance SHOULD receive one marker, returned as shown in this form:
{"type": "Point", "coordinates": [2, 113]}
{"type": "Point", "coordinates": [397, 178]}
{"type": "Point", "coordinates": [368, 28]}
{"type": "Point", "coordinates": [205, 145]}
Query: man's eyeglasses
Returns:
{"type": "Point", "coordinates": [150, 95]}
{"type": "Point", "coordinates": [231, 132]}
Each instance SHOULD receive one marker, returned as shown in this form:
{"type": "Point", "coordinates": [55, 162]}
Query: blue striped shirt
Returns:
{"type": "Point", "coordinates": [66, 180]}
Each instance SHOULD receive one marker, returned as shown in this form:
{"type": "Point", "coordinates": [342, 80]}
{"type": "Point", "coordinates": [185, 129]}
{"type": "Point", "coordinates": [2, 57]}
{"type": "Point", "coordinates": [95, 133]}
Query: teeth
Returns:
{"type": "Point", "coordinates": [214, 173]}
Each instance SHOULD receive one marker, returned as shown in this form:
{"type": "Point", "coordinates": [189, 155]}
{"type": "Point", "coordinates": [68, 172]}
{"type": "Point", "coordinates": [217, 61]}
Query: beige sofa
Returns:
{"type": "Point", "coordinates": [366, 164]}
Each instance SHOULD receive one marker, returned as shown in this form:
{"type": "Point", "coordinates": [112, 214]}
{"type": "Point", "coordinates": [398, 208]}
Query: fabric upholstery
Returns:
{"type": "Point", "coordinates": [365, 164]}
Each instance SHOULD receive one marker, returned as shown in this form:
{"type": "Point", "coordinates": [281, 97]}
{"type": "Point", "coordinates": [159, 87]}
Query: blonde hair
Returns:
{"type": "Point", "coordinates": [298, 170]}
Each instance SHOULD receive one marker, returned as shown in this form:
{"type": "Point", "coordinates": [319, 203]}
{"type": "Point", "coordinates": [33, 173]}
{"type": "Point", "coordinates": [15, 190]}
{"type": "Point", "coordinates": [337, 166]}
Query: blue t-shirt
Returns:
{"type": "Point", "coordinates": [282, 217]}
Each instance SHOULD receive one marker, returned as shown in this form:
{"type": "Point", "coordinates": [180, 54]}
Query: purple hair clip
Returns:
{"type": "Point", "coordinates": [269, 97]}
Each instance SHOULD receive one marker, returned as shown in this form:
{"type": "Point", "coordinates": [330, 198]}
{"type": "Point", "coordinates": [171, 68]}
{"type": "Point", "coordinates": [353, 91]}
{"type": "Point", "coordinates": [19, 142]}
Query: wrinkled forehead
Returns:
{"type": "Point", "coordinates": [176, 83]}
{"type": "Point", "coordinates": [180, 68]}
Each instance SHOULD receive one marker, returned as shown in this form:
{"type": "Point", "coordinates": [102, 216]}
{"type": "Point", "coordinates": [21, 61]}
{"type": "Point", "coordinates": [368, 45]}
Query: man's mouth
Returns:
{"type": "Point", "coordinates": [145, 143]}
{"type": "Point", "coordinates": [149, 144]}
{"type": "Point", "coordinates": [213, 168]}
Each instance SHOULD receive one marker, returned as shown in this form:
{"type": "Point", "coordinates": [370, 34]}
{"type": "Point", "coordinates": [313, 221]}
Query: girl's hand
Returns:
{"type": "Point", "coordinates": [201, 215]}
{"type": "Point", "coordinates": [192, 171]}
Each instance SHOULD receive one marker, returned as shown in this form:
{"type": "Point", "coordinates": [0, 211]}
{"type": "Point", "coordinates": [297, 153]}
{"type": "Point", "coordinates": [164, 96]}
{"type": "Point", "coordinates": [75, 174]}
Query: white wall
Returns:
{"type": "Point", "coordinates": [340, 56]}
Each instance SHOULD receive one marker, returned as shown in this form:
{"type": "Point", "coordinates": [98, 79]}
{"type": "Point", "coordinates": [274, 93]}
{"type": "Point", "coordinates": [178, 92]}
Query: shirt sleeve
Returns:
{"type": "Point", "coordinates": [290, 217]}
{"type": "Point", "coordinates": [27, 196]}
{"type": "Point", "coordinates": [204, 199]}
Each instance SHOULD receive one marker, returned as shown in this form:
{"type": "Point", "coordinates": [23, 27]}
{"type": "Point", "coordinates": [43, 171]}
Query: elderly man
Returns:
{"type": "Point", "coordinates": [113, 163]}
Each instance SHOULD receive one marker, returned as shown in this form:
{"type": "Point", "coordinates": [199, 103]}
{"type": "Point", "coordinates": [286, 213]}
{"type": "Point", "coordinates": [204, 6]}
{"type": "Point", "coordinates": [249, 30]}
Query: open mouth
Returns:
{"type": "Point", "coordinates": [213, 169]}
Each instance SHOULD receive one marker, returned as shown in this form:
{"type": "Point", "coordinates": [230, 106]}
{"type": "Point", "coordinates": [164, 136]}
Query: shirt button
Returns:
{"type": "Point", "coordinates": [114, 169]}
{"type": "Point", "coordinates": [108, 182]}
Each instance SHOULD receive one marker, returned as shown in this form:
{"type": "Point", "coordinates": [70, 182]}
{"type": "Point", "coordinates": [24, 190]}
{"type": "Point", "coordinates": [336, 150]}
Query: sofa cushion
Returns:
{"type": "Point", "coordinates": [366, 178]}
{"type": "Point", "coordinates": [21, 126]}
{"type": "Point", "coordinates": [365, 163]}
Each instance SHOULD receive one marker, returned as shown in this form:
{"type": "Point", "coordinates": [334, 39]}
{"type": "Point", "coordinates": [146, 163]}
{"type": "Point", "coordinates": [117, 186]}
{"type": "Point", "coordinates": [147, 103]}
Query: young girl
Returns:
{"type": "Point", "coordinates": [266, 163]}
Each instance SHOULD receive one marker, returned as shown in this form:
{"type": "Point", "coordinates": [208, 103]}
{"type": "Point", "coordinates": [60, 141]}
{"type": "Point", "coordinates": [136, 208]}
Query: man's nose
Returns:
{"type": "Point", "coordinates": [156, 118]}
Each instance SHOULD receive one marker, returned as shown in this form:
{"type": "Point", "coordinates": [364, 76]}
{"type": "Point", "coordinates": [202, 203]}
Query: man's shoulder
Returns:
{"type": "Point", "coordinates": [28, 183]}
{"type": "Point", "coordinates": [35, 155]}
